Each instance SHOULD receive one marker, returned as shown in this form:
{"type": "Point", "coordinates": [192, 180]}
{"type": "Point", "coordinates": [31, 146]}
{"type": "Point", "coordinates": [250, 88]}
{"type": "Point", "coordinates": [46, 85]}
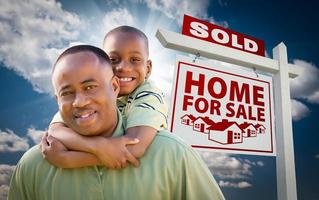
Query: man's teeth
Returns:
{"type": "Point", "coordinates": [126, 79]}
{"type": "Point", "coordinates": [85, 115]}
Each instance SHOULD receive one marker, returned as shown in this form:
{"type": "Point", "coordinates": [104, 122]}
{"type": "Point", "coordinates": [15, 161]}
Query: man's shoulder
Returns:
{"type": "Point", "coordinates": [169, 141]}
{"type": "Point", "coordinates": [31, 157]}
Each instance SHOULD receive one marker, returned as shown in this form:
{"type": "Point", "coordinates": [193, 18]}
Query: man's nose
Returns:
{"type": "Point", "coordinates": [80, 100]}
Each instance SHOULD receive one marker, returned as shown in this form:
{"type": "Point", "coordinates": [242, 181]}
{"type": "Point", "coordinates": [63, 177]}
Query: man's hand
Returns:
{"type": "Point", "coordinates": [113, 152]}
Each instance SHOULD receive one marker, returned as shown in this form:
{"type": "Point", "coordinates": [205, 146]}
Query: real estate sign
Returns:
{"type": "Point", "coordinates": [219, 107]}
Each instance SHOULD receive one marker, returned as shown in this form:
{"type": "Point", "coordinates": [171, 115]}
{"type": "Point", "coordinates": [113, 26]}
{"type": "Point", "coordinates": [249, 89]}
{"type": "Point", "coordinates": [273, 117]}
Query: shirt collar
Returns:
{"type": "Point", "coordinates": [119, 130]}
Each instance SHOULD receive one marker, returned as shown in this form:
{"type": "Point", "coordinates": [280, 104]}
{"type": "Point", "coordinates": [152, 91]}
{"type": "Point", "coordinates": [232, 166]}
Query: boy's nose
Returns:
{"type": "Point", "coordinates": [122, 66]}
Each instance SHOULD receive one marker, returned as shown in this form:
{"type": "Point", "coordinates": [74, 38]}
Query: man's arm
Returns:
{"type": "Point", "coordinates": [18, 188]}
{"type": "Point", "coordinates": [198, 182]}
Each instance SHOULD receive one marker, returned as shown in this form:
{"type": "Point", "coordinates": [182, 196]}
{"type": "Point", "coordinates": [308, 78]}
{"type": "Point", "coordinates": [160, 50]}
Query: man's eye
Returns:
{"type": "Point", "coordinates": [67, 93]}
{"type": "Point", "coordinates": [90, 87]}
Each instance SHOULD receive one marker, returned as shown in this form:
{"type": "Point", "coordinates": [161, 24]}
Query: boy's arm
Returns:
{"type": "Point", "coordinates": [57, 154]}
{"type": "Point", "coordinates": [112, 152]}
{"type": "Point", "coordinates": [145, 135]}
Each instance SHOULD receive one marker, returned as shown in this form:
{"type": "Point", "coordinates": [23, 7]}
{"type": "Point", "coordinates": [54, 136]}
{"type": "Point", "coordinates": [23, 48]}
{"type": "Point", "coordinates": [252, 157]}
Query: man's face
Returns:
{"type": "Point", "coordinates": [129, 56]}
{"type": "Point", "coordinates": [86, 91]}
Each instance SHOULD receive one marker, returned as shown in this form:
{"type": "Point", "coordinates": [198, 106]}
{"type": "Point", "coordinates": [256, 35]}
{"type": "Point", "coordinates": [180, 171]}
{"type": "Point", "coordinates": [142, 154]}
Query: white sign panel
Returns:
{"type": "Point", "coordinates": [222, 108]}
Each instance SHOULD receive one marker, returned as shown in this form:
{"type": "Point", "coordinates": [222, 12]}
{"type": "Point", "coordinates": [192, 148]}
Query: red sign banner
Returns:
{"type": "Point", "coordinates": [204, 30]}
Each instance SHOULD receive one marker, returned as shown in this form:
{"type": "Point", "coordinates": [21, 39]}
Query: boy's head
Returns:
{"type": "Point", "coordinates": [127, 48]}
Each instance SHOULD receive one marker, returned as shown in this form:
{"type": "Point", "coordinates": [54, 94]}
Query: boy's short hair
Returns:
{"type": "Point", "coordinates": [128, 29]}
{"type": "Point", "coordinates": [99, 53]}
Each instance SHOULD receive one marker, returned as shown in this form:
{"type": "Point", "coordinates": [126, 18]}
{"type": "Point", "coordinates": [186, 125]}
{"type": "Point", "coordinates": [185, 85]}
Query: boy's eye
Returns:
{"type": "Point", "coordinates": [114, 60]}
{"type": "Point", "coordinates": [136, 59]}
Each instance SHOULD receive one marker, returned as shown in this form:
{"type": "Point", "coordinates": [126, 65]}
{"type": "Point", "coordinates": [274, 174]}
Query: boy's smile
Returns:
{"type": "Point", "coordinates": [129, 56]}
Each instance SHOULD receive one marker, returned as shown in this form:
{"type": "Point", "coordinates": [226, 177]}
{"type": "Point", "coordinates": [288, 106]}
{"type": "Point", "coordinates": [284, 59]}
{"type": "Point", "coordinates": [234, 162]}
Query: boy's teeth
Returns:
{"type": "Point", "coordinates": [126, 79]}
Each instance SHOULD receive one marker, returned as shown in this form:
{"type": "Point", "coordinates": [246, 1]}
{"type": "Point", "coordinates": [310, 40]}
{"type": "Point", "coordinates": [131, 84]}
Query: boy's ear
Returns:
{"type": "Point", "coordinates": [116, 85]}
{"type": "Point", "coordinates": [148, 68]}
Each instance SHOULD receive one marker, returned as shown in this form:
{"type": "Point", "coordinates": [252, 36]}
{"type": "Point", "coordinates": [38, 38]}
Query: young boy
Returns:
{"type": "Point", "coordinates": [140, 102]}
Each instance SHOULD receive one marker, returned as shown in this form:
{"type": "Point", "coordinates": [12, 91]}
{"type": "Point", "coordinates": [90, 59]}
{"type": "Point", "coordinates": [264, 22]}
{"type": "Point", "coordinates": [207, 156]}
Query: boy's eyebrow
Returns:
{"type": "Point", "coordinates": [138, 52]}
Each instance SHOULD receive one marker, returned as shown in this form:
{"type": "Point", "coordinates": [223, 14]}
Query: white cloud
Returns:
{"type": "Point", "coordinates": [4, 189]}
{"type": "Point", "coordinates": [32, 34]}
{"type": "Point", "coordinates": [35, 135]}
{"type": "Point", "coordinates": [176, 9]}
{"type": "Point", "coordinates": [5, 176]}
{"type": "Point", "coordinates": [240, 185]}
{"type": "Point", "coordinates": [117, 17]}
{"type": "Point", "coordinates": [227, 167]}
{"type": "Point", "coordinates": [298, 110]}
{"type": "Point", "coordinates": [10, 142]}
{"type": "Point", "coordinates": [306, 86]}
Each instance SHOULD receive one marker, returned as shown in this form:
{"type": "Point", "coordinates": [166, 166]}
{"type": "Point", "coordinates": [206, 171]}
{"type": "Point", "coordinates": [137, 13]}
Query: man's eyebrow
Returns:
{"type": "Point", "coordinates": [64, 88]}
{"type": "Point", "coordinates": [88, 81]}
{"type": "Point", "coordinates": [83, 82]}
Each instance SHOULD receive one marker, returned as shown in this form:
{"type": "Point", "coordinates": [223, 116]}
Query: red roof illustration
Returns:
{"type": "Point", "coordinates": [245, 125]}
{"type": "Point", "coordinates": [259, 125]}
{"type": "Point", "coordinates": [206, 120]}
{"type": "Point", "coordinates": [191, 117]}
{"type": "Point", "coordinates": [223, 125]}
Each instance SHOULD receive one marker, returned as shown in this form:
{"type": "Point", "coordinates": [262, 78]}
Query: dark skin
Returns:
{"type": "Point", "coordinates": [130, 64]}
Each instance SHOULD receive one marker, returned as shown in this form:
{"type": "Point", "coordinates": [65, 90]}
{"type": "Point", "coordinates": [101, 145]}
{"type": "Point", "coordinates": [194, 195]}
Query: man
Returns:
{"type": "Point", "coordinates": [86, 91]}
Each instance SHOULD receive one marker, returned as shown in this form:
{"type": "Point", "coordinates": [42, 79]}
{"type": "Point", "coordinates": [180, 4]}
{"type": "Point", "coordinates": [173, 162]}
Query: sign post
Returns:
{"type": "Point", "coordinates": [285, 161]}
{"type": "Point", "coordinates": [223, 46]}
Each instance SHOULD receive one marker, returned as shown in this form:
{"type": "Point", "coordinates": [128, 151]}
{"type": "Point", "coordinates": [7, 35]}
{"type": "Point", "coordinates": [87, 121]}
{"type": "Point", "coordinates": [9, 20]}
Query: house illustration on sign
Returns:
{"type": "Point", "coordinates": [249, 130]}
{"type": "Point", "coordinates": [226, 132]}
{"type": "Point", "coordinates": [261, 129]}
{"type": "Point", "coordinates": [188, 119]}
{"type": "Point", "coordinates": [201, 124]}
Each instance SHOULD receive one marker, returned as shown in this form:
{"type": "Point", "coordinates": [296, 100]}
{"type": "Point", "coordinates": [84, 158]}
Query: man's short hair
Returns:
{"type": "Point", "coordinates": [99, 53]}
{"type": "Point", "coordinates": [128, 29]}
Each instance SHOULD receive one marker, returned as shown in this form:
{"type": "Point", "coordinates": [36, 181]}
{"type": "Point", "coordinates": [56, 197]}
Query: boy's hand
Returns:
{"type": "Point", "coordinates": [53, 150]}
{"type": "Point", "coordinates": [113, 152]}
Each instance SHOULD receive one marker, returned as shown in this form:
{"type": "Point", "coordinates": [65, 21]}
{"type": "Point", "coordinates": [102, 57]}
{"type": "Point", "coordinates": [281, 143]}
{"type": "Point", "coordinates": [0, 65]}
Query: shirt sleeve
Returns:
{"type": "Point", "coordinates": [57, 118]}
{"type": "Point", "coordinates": [199, 183]}
{"type": "Point", "coordinates": [19, 189]}
{"type": "Point", "coordinates": [148, 108]}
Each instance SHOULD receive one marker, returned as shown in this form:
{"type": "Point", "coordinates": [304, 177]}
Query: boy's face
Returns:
{"type": "Point", "coordinates": [86, 92]}
{"type": "Point", "coordinates": [129, 56]}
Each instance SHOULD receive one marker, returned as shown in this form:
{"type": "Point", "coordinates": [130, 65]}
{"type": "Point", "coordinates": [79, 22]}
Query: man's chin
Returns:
{"type": "Point", "coordinates": [85, 131]}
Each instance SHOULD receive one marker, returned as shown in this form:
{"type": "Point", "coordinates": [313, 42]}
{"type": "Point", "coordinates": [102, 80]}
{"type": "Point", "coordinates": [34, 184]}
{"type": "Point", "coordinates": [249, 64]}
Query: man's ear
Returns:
{"type": "Point", "coordinates": [148, 68]}
{"type": "Point", "coordinates": [116, 85]}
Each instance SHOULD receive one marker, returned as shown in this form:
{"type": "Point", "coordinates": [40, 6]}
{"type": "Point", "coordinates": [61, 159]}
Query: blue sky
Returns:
{"type": "Point", "coordinates": [33, 34]}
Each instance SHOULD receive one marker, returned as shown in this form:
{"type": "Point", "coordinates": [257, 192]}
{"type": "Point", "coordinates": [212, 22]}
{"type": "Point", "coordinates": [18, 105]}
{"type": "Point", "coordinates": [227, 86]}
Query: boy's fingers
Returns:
{"type": "Point", "coordinates": [132, 159]}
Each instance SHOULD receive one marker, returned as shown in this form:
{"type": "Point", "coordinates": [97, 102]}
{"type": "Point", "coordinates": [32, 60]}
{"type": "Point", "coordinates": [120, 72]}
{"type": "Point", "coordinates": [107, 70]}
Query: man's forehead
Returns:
{"type": "Point", "coordinates": [80, 66]}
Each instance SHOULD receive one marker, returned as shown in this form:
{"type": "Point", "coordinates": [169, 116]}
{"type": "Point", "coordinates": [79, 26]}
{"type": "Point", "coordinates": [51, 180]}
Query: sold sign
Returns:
{"type": "Point", "coordinates": [216, 34]}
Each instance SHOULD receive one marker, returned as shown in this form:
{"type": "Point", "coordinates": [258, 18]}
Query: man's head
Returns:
{"type": "Point", "coordinates": [128, 51]}
{"type": "Point", "coordinates": [86, 90]}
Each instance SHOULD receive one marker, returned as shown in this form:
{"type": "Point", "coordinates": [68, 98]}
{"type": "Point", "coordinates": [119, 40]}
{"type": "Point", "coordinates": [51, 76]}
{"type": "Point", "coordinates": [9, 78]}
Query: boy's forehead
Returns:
{"type": "Point", "coordinates": [122, 38]}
